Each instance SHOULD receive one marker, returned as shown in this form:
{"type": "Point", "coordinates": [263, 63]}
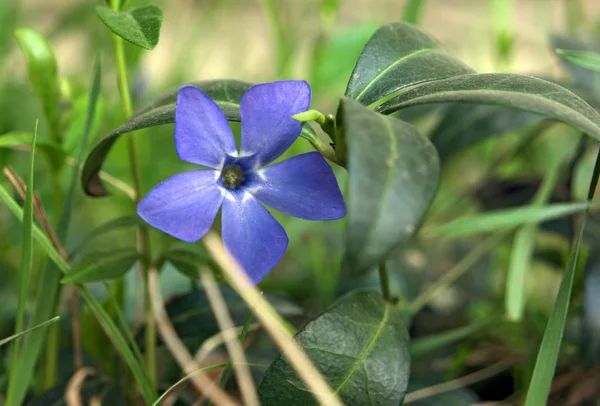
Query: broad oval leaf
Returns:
{"type": "Point", "coordinates": [360, 344]}
{"type": "Point", "coordinates": [522, 92]}
{"type": "Point", "coordinates": [139, 25]}
{"type": "Point", "coordinates": [102, 266]}
{"type": "Point", "coordinates": [394, 177]}
{"type": "Point", "coordinates": [42, 68]}
{"type": "Point", "coordinates": [399, 55]}
{"type": "Point", "coordinates": [226, 93]}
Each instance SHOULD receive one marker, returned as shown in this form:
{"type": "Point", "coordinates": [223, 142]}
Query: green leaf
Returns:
{"type": "Point", "coordinates": [360, 344]}
{"type": "Point", "coordinates": [226, 93]}
{"type": "Point", "coordinates": [139, 25]}
{"type": "Point", "coordinates": [586, 59]}
{"type": "Point", "coordinates": [394, 173]}
{"type": "Point", "coordinates": [506, 219]}
{"type": "Point", "coordinates": [7, 340]}
{"type": "Point", "coordinates": [188, 259]}
{"type": "Point", "coordinates": [463, 125]}
{"type": "Point", "coordinates": [525, 93]}
{"type": "Point", "coordinates": [399, 55]}
{"type": "Point", "coordinates": [43, 71]}
{"type": "Point", "coordinates": [22, 140]}
{"type": "Point", "coordinates": [587, 79]}
{"type": "Point", "coordinates": [545, 365]}
{"type": "Point", "coordinates": [425, 345]}
{"type": "Point", "coordinates": [25, 276]}
{"type": "Point", "coordinates": [110, 226]}
{"type": "Point", "coordinates": [101, 266]}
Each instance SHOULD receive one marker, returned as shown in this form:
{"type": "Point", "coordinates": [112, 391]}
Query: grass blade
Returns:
{"type": "Point", "coordinates": [522, 251]}
{"type": "Point", "coordinates": [107, 323]}
{"type": "Point", "coordinates": [545, 365]}
{"type": "Point", "coordinates": [506, 219]}
{"type": "Point", "coordinates": [413, 11]}
{"type": "Point", "coordinates": [15, 385]}
{"type": "Point", "coordinates": [7, 340]}
{"type": "Point", "coordinates": [586, 59]}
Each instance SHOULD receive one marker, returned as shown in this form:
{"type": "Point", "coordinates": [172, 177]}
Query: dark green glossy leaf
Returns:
{"type": "Point", "coordinates": [139, 25]}
{"type": "Point", "coordinates": [113, 225]}
{"type": "Point", "coordinates": [360, 344]}
{"type": "Point", "coordinates": [394, 177]}
{"type": "Point", "coordinates": [399, 55]}
{"type": "Point", "coordinates": [22, 140]}
{"type": "Point", "coordinates": [525, 93]}
{"type": "Point", "coordinates": [42, 68]}
{"type": "Point", "coordinates": [226, 93]}
{"type": "Point", "coordinates": [463, 125]}
{"type": "Point", "coordinates": [102, 266]}
{"type": "Point", "coordinates": [188, 260]}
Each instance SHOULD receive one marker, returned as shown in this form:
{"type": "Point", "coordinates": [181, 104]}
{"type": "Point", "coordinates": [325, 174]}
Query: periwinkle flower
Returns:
{"type": "Point", "coordinates": [303, 186]}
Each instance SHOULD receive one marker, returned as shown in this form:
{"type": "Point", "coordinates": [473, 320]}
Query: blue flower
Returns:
{"type": "Point", "coordinates": [303, 186]}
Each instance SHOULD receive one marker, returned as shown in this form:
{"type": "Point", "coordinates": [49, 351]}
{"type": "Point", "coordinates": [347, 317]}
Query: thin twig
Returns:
{"type": "Point", "coordinates": [224, 321]}
{"type": "Point", "coordinates": [73, 390]}
{"type": "Point", "coordinates": [179, 351]}
{"type": "Point", "coordinates": [459, 382]}
{"type": "Point", "coordinates": [266, 314]}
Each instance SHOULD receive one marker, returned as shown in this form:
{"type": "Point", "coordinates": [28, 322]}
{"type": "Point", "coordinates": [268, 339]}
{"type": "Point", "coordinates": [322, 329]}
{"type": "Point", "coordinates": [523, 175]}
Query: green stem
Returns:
{"type": "Point", "coordinates": [385, 282]}
{"type": "Point", "coordinates": [143, 235]}
{"type": "Point", "coordinates": [50, 375]}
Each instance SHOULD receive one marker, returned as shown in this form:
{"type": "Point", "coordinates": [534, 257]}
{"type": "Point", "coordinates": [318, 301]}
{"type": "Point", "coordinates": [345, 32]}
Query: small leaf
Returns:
{"type": "Point", "coordinates": [110, 226]}
{"type": "Point", "coordinates": [360, 344]}
{"type": "Point", "coordinates": [525, 93]}
{"type": "Point", "coordinates": [584, 77]}
{"type": "Point", "coordinates": [226, 93]}
{"type": "Point", "coordinates": [42, 68]}
{"type": "Point", "coordinates": [399, 55]}
{"type": "Point", "coordinates": [394, 176]}
{"type": "Point", "coordinates": [586, 59]}
{"type": "Point", "coordinates": [102, 266]}
{"type": "Point", "coordinates": [139, 25]}
{"type": "Point", "coordinates": [188, 259]}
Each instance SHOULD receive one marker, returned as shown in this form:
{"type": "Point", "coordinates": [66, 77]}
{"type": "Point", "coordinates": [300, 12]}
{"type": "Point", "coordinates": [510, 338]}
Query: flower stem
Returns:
{"type": "Point", "coordinates": [143, 236]}
{"type": "Point", "coordinates": [385, 282]}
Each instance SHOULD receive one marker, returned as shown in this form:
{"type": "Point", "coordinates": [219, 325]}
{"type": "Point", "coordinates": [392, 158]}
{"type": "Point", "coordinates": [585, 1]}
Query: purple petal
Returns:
{"type": "Point", "coordinates": [266, 112]}
{"type": "Point", "coordinates": [184, 205]}
{"type": "Point", "coordinates": [252, 235]}
{"type": "Point", "coordinates": [303, 186]}
{"type": "Point", "coordinates": [202, 134]}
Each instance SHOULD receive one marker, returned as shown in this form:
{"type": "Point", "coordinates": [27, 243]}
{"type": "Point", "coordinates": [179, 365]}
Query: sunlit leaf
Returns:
{"type": "Point", "coordinates": [139, 25]}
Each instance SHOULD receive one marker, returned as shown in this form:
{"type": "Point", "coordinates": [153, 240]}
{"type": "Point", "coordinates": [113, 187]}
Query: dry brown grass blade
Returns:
{"type": "Point", "coordinates": [179, 351]}
{"type": "Point", "coordinates": [225, 323]}
{"type": "Point", "coordinates": [266, 314]}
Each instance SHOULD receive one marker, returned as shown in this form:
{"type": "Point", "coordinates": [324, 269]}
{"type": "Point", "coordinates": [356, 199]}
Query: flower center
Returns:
{"type": "Point", "coordinates": [232, 176]}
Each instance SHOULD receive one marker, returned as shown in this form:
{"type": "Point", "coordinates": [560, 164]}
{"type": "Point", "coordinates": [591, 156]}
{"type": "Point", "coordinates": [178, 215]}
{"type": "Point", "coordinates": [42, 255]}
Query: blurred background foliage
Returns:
{"type": "Point", "coordinates": [459, 329]}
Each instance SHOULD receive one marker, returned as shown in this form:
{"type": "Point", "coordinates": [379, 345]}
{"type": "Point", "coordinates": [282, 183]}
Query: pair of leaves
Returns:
{"type": "Point", "coordinates": [383, 212]}
{"type": "Point", "coordinates": [360, 344]}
